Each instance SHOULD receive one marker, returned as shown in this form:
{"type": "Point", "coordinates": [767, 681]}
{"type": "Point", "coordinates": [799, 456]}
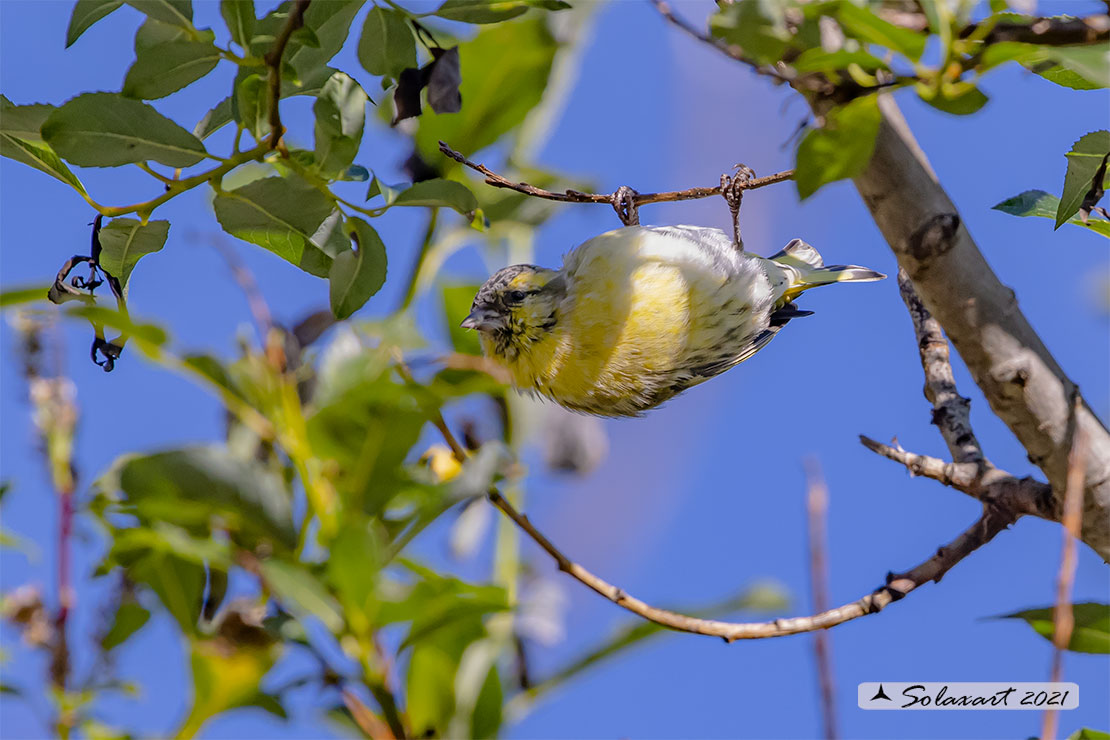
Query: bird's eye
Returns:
{"type": "Point", "coordinates": [515, 296]}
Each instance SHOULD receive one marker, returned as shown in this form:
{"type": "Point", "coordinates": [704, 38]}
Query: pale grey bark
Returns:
{"type": "Point", "coordinates": [1023, 383]}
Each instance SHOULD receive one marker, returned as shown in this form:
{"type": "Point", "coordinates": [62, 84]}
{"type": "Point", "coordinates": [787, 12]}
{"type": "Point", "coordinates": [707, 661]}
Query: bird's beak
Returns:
{"type": "Point", "coordinates": [483, 319]}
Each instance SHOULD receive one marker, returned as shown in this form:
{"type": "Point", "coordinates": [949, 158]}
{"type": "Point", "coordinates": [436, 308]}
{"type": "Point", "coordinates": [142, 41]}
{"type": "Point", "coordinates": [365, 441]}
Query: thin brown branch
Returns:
{"type": "Point", "coordinates": [951, 411]}
{"type": "Point", "coordinates": [729, 50]}
{"type": "Point", "coordinates": [273, 61]}
{"type": "Point", "coordinates": [372, 725]}
{"type": "Point", "coordinates": [993, 521]}
{"type": "Point", "coordinates": [637, 199]}
{"type": "Point", "coordinates": [988, 484]}
{"type": "Point", "coordinates": [1063, 616]}
{"type": "Point", "coordinates": [1060, 31]}
{"type": "Point", "coordinates": [817, 508]}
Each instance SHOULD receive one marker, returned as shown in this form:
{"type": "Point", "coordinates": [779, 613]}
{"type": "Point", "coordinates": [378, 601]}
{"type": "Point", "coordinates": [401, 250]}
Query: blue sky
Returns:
{"type": "Point", "coordinates": [700, 497]}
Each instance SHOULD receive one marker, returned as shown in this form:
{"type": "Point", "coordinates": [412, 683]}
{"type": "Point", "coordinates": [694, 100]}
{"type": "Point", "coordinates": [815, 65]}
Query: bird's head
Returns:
{"type": "Point", "coordinates": [515, 306]}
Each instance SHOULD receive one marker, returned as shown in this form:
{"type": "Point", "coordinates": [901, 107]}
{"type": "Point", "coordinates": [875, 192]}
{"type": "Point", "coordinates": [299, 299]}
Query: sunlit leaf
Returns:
{"type": "Point", "coordinates": [340, 111]}
{"type": "Point", "coordinates": [756, 26]}
{"type": "Point", "coordinates": [1091, 633]}
{"type": "Point", "coordinates": [841, 148]}
{"type": "Point", "coordinates": [224, 677]}
{"type": "Point", "coordinates": [498, 95]}
{"type": "Point", "coordinates": [862, 23]}
{"type": "Point", "coordinates": [129, 618]}
{"type": "Point", "coordinates": [1045, 205]}
{"type": "Point", "coordinates": [125, 240]}
{"type": "Point", "coordinates": [1086, 159]}
{"type": "Point", "coordinates": [277, 213]}
{"type": "Point", "coordinates": [301, 592]}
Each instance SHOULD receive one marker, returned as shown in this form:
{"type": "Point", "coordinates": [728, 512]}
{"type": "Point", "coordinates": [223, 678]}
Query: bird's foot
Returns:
{"type": "Point", "coordinates": [732, 188]}
{"type": "Point", "coordinates": [623, 201]}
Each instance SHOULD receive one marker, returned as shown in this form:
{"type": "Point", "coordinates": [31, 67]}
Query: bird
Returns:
{"type": "Point", "coordinates": [639, 314]}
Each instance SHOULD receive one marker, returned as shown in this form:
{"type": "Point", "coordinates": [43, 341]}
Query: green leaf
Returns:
{"type": "Point", "coordinates": [151, 335]}
{"type": "Point", "coordinates": [862, 23]}
{"type": "Point", "coordinates": [439, 192]}
{"type": "Point", "coordinates": [1086, 160]}
{"type": "Point", "coordinates": [354, 560]}
{"type": "Point", "coordinates": [168, 67]}
{"type": "Point", "coordinates": [486, 720]}
{"type": "Point", "coordinates": [252, 109]}
{"type": "Point", "coordinates": [21, 140]}
{"type": "Point", "coordinates": [152, 33]}
{"type": "Point", "coordinates": [1092, 62]}
{"type": "Point", "coordinates": [481, 11]}
{"type": "Point", "coordinates": [86, 13]}
{"type": "Point", "coordinates": [193, 486]}
{"type": "Point", "coordinates": [18, 296]}
{"type": "Point", "coordinates": [839, 150]}
{"type": "Point", "coordinates": [756, 26]}
{"type": "Point", "coordinates": [302, 592]}
{"type": "Point", "coordinates": [431, 689]}
{"type": "Point", "coordinates": [819, 60]}
{"type": "Point", "coordinates": [498, 95]}
{"type": "Point", "coordinates": [1087, 733]}
{"type": "Point", "coordinates": [178, 584]}
{"type": "Point", "coordinates": [1045, 205]}
{"type": "Point", "coordinates": [357, 275]}
{"type": "Point", "coordinates": [214, 120]}
{"type": "Point", "coordinates": [329, 22]}
{"type": "Point", "coordinates": [108, 130]}
{"type": "Point", "coordinates": [457, 300]}
{"type": "Point", "coordinates": [387, 45]}
{"type": "Point", "coordinates": [129, 619]}
{"type": "Point", "coordinates": [174, 12]}
{"type": "Point", "coordinates": [125, 240]}
{"type": "Point", "coordinates": [223, 678]}
{"type": "Point", "coordinates": [958, 98]}
{"type": "Point", "coordinates": [239, 17]}
{"type": "Point", "coordinates": [276, 213]}
{"type": "Point", "coordinates": [1091, 633]}
{"type": "Point", "coordinates": [340, 111]}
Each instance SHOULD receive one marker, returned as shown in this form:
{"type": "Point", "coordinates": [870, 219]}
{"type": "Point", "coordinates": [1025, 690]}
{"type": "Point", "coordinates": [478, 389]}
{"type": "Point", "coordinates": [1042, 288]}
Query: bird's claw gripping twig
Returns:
{"type": "Point", "coordinates": [624, 203]}
{"type": "Point", "coordinates": [732, 188]}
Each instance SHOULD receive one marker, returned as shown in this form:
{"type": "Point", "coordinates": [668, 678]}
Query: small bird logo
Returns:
{"type": "Point", "coordinates": [880, 694]}
{"type": "Point", "coordinates": [637, 315]}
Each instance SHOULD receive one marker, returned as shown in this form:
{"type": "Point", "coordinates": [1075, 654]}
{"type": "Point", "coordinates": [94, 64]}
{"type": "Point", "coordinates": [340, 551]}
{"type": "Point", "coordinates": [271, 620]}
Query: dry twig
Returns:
{"type": "Point", "coordinates": [992, 522]}
{"type": "Point", "coordinates": [1063, 616]}
{"type": "Point", "coordinates": [620, 196]}
{"type": "Point", "coordinates": [817, 509]}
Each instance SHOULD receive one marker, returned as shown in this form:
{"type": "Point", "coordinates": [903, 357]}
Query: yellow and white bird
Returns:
{"type": "Point", "coordinates": [640, 314]}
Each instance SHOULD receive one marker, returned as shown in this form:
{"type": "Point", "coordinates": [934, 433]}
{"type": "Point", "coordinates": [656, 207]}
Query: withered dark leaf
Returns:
{"type": "Point", "coordinates": [406, 98]}
{"type": "Point", "coordinates": [444, 78]}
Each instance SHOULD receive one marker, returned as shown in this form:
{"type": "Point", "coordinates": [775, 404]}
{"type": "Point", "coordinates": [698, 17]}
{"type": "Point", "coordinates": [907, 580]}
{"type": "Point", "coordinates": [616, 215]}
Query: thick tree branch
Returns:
{"type": "Point", "coordinates": [1023, 383]}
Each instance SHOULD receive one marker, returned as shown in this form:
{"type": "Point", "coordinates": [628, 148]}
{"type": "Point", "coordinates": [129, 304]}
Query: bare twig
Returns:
{"type": "Point", "coordinates": [260, 310]}
{"type": "Point", "coordinates": [636, 199]}
{"type": "Point", "coordinates": [817, 507]}
{"type": "Point", "coordinates": [273, 61]}
{"type": "Point", "coordinates": [1063, 616]}
{"type": "Point", "coordinates": [993, 521]}
{"type": "Point", "coordinates": [1021, 495]}
{"type": "Point", "coordinates": [366, 720]}
{"type": "Point", "coordinates": [951, 411]}
{"type": "Point", "coordinates": [729, 50]}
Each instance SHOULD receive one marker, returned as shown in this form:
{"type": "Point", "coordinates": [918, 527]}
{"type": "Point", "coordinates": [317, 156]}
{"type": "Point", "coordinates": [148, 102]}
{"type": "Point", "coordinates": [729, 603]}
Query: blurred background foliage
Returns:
{"type": "Point", "coordinates": [290, 535]}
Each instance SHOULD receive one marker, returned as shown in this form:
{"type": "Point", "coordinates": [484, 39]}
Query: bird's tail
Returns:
{"type": "Point", "coordinates": [806, 270]}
